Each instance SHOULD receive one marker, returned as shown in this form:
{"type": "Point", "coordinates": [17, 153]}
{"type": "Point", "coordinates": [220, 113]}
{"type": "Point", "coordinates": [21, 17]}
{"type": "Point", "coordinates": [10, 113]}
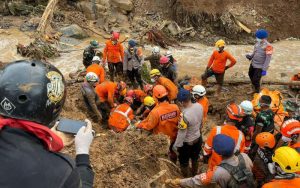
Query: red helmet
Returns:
{"type": "Point", "coordinates": [128, 100]}
{"type": "Point", "coordinates": [164, 60]}
{"type": "Point", "coordinates": [290, 127]}
{"type": "Point", "coordinates": [130, 93]}
{"type": "Point", "coordinates": [159, 91]}
{"type": "Point", "coordinates": [115, 36]}
{"type": "Point", "coordinates": [235, 112]}
{"type": "Point", "coordinates": [148, 87]}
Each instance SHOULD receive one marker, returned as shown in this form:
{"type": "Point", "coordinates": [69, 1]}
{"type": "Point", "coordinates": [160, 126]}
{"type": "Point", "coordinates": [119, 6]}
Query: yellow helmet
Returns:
{"type": "Point", "coordinates": [287, 158]}
{"type": "Point", "coordinates": [149, 101]}
{"type": "Point", "coordinates": [220, 43]}
{"type": "Point", "coordinates": [154, 72]}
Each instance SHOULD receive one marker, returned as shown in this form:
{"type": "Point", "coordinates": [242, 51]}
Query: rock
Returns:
{"type": "Point", "coordinates": [19, 8]}
{"type": "Point", "coordinates": [126, 5]}
{"type": "Point", "coordinates": [201, 37]}
{"type": "Point", "coordinates": [73, 31]}
{"type": "Point", "coordinates": [87, 9]}
{"type": "Point", "coordinates": [192, 34]}
{"type": "Point", "coordinates": [174, 28]}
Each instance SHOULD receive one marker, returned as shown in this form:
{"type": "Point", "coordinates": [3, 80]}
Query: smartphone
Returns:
{"type": "Point", "coordinates": [70, 126]}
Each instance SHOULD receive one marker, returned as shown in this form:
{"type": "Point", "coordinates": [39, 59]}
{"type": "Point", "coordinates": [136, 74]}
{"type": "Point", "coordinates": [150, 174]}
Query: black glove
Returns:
{"type": "Point", "coordinates": [249, 57]}
{"type": "Point", "coordinates": [227, 67]}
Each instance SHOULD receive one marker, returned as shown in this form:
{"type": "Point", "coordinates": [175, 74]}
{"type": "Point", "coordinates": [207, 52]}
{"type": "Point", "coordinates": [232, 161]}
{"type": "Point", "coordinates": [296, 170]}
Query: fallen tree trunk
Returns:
{"type": "Point", "coordinates": [47, 16]}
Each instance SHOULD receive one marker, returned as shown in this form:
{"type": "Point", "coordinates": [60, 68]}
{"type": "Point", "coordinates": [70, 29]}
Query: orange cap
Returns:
{"type": "Point", "coordinates": [290, 127]}
{"type": "Point", "coordinates": [159, 91]}
{"type": "Point", "coordinates": [265, 139]}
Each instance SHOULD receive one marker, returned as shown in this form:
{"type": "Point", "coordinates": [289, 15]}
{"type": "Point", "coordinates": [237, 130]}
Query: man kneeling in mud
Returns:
{"type": "Point", "coordinates": [90, 97]}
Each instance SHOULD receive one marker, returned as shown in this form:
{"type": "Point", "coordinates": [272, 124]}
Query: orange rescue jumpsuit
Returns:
{"type": "Point", "coordinates": [139, 95]}
{"type": "Point", "coordinates": [120, 117]}
{"type": "Point", "coordinates": [163, 119]}
{"type": "Point", "coordinates": [170, 86]}
{"type": "Point", "coordinates": [228, 130]}
{"type": "Point", "coordinates": [217, 61]}
{"type": "Point", "coordinates": [205, 104]}
{"type": "Point", "coordinates": [106, 92]}
{"type": "Point", "coordinates": [97, 69]}
{"type": "Point", "coordinates": [113, 53]}
{"type": "Point", "coordinates": [283, 183]}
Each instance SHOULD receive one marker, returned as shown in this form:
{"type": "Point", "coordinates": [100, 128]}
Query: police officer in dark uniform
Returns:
{"type": "Point", "coordinates": [32, 94]}
{"type": "Point", "coordinates": [89, 53]}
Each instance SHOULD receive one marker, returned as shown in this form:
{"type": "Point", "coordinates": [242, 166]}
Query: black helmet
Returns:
{"type": "Point", "coordinates": [33, 91]}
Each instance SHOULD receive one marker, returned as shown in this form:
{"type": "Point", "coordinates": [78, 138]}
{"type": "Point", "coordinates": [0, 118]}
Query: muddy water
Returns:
{"type": "Point", "coordinates": [192, 61]}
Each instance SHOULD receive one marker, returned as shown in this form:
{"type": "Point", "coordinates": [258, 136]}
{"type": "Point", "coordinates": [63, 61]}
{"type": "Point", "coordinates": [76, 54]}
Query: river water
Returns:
{"type": "Point", "coordinates": [192, 61]}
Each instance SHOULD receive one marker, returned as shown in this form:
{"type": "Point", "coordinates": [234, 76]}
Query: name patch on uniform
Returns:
{"type": "Point", "coordinates": [167, 116]}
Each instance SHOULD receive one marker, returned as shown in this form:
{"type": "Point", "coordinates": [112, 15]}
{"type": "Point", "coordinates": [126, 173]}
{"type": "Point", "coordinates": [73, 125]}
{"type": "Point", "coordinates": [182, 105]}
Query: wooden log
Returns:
{"type": "Point", "coordinates": [47, 15]}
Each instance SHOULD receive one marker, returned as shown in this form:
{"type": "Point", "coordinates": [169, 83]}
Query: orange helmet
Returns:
{"type": "Point", "coordinates": [128, 100]}
{"type": "Point", "coordinates": [148, 87]}
{"type": "Point", "coordinates": [235, 112]}
{"type": "Point", "coordinates": [121, 86]}
{"type": "Point", "coordinates": [159, 91]}
{"type": "Point", "coordinates": [265, 139]}
{"type": "Point", "coordinates": [290, 127]}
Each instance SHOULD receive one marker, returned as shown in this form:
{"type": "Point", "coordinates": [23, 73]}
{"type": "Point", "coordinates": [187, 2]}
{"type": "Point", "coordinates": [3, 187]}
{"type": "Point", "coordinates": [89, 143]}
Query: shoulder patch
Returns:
{"type": "Point", "coordinates": [182, 124]}
{"type": "Point", "coordinates": [269, 50]}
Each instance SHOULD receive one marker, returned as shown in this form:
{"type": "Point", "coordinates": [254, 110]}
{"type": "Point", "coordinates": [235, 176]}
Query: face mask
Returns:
{"type": "Point", "coordinates": [152, 80]}
{"type": "Point", "coordinates": [258, 40]}
{"type": "Point", "coordinates": [131, 50]}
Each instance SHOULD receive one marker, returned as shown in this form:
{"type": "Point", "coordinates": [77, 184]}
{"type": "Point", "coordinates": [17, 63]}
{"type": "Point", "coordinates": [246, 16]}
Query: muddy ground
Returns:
{"type": "Point", "coordinates": [132, 159]}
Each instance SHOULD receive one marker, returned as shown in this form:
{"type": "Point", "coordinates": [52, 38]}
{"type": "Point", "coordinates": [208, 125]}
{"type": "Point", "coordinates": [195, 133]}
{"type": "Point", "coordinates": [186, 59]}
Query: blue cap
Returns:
{"type": "Point", "coordinates": [132, 43]}
{"type": "Point", "coordinates": [223, 145]}
{"type": "Point", "coordinates": [261, 34]}
{"type": "Point", "coordinates": [183, 95]}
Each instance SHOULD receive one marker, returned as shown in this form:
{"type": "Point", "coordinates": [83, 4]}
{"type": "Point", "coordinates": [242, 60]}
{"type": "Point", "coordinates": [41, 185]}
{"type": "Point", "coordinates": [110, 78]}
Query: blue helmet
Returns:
{"type": "Point", "coordinates": [132, 43]}
{"type": "Point", "coordinates": [223, 145]}
{"type": "Point", "coordinates": [261, 34]}
{"type": "Point", "coordinates": [183, 95]}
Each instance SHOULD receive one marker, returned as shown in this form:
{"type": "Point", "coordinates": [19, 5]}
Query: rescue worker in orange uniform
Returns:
{"type": "Point", "coordinates": [286, 162]}
{"type": "Point", "coordinates": [233, 172]}
{"type": "Point", "coordinates": [198, 95]}
{"type": "Point", "coordinates": [108, 93]}
{"type": "Point", "coordinates": [163, 118]}
{"type": "Point", "coordinates": [290, 131]}
{"type": "Point", "coordinates": [217, 65]}
{"type": "Point", "coordinates": [121, 117]}
{"type": "Point", "coordinates": [295, 78]}
{"type": "Point", "coordinates": [113, 54]}
{"type": "Point", "coordinates": [234, 114]}
{"type": "Point", "coordinates": [97, 68]}
{"type": "Point", "coordinates": [168, 84]}
{"type": "Point", "coordinates": [262, 164]}
{"type": "Point", "coordinates": [138, 97]}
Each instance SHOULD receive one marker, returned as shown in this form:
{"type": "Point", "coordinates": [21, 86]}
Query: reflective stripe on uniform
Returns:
{"type": "Point", "coordinates": [219, 129]}
{"type": "Point", "coordinates": [124, 114]}
{"type": "Point", "coordinates": [239, 141]}
{"type": "Point", "coordinates": [207, 146]}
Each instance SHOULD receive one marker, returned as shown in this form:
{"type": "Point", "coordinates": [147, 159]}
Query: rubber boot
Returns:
{"type": "Point", "coordinates": [195, 166]}
{"type": "Point", "coordinates": [204, 83]}
{"type": "Point", "coordinates": [184, 171]}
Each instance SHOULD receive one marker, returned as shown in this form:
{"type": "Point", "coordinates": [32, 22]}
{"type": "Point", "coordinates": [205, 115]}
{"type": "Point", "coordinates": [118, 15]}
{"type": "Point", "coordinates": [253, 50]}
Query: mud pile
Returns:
{"type": "Point", "coordinates": [128, 159]}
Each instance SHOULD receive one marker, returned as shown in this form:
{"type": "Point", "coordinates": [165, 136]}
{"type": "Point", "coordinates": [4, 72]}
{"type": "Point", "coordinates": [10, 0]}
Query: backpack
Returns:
{"type": "Point", "coordinates": [241, 176]}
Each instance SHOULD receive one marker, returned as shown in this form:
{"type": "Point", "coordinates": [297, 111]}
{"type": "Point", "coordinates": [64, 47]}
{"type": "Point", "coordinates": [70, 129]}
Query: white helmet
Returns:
{"type": "Point", "coordinates": [155, 50]}
{"type": "Point", "coordinates": [198, 90]}
{"type": "Point", "coordinates": [96, 58]}
{"type": "Point", "coordinates": [168, 53]}
{"type": "Point", "coordinates": [247, 107]}
{"type": "Point", "coordinates": [91, 77]}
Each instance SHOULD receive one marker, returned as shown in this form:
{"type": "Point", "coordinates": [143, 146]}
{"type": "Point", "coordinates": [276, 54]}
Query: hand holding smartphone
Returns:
{"type": "Point", "coordinates": [70, 126]}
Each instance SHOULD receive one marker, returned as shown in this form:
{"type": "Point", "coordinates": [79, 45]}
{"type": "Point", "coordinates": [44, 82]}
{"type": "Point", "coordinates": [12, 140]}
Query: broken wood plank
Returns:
{"type": "Point", "coordinates": [47, 15]}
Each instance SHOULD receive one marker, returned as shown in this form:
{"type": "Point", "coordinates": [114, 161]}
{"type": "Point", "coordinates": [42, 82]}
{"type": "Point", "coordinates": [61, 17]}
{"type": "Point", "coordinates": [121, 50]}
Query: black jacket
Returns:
{"type": "Point", "coordinates": [24, 162]}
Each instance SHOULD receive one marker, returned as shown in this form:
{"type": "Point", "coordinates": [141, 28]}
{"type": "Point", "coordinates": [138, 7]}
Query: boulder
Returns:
{"type": "Point", "coordinates": [73, 31]}
{"type": "Point", "coordinates": [126, 5]}
{"type": "Point", "coordinates": [87, 9]}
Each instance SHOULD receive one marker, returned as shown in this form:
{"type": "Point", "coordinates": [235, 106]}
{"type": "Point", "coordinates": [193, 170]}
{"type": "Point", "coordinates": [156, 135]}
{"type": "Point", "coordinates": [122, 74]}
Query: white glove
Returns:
{"type": "Point", "coordinates": [286, 139]}
{"type": "Point", "coordinates": [84, 138]}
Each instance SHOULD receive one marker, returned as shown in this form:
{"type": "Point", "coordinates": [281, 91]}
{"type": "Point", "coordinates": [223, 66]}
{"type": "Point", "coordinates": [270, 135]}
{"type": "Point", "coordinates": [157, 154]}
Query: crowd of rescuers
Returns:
{"type": "Point", "coordinates": [244, 151]}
